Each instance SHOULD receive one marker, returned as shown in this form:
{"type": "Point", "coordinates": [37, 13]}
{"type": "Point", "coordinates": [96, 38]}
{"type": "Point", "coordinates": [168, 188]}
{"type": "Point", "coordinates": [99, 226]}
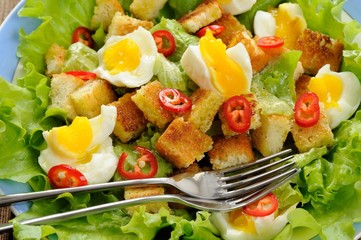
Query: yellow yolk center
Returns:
{"type": "Point", "coordinates": [226, 75]}
{"type": "Point", "coordinates": [328, 89]}
{"type": "Point", "coordinates": [241, 221]}
{"type": "Point", "coordinates": [224, 1]}
{"type": "Point", "coordinates": [122, 56]}
{"type": "Point", "coordinates": [288, 27]}
{"type": "Point", "coordinates": [73, 140]}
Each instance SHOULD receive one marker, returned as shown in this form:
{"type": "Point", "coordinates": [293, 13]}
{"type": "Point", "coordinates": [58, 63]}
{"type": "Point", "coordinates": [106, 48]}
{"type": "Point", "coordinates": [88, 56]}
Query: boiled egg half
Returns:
{"type": "Point", "coordinates": [84, 145]}
{"type": "Point", "coordinates": [236, 7]}
{"type": "Point", "coordinates": [128, 61]}
{"type": "Point", "coordinates": [339, 92]}
{"type": "Point", "coordinates": [286, 22]}
{"type": "Point", "coordinates": [237, 225]}
{"type": "Point", "coordinates": [211, 66]}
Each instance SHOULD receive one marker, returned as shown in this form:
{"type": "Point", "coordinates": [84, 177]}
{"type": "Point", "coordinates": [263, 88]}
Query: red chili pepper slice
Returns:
{"type": "Point", "coordinates": [165, 42]}
{"type": "Point", "coordinates": [84, 35]}
{"type": "Point", "coordinates": [174, 100]}
{"type": "Point", "coordinates": [270, 42]}
{"type": "Point", "coordinates": [83, 75]}
{"type": "Point", "coordinates": [64, 176]}
{"type": "Point", "coordinates": [307, 110]}
{"type": "Point", "coordinates": [237, 112]}
{"type": "Point", "coordinates": [215, 29]}
{"type": "Point", "coordinates": [146, 156]}
{"type": "Point", "coordinates": [263, 207]}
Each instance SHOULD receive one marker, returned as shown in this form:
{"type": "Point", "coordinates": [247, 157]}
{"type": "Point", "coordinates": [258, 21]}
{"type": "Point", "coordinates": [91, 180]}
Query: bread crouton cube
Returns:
{"type": "Point", "coordinates": [104, 11]}
{"type": "Point", "coordinates": [130, 121]}
{"type": "Point", "coordinates": [271, 135]}
{"type": "Point", "coordinates": [231, 26]}
{"type": "Point", "coordinates": [318, 50]}
{"type": "Point", "coordinates": [88, 99]}
{"type": "Point", "coordinates": [123, 24]}
{"type": "Point", "coordinates": [205, 105]}
{"type": "Point", "coordinates": [317, 135]}
{"type": "Point", "coordinates": [205, 13]}
{"type": "Point", "coordinates": [137, 192]}
{"type": "Point", "coordinates": [145, 9]}
{"type": "Point", "coordinates": [255, 117]}
{"type": "Point", "coordinates": [230, 152]}
{"type": "Point", "coordinates": [54, 59]}
{"type": "Point", "coordinates": [61, 88]}
{"type": "Point", "coordinates": [182, 143]}
{"type": "Point", "coordinates": [147, 100]}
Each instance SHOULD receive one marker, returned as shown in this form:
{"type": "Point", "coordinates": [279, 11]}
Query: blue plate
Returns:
{"type": "Point", "coordinates": [9, 39]}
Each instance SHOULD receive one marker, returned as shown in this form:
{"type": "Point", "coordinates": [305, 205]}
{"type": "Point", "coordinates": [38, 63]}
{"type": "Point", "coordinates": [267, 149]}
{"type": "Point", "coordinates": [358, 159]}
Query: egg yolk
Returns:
{"type": "Point", "coordinates": [72, 140]}
{"type": "Point", "coordinates": [226, 75]}
{"type": "Point", "coordinates": [122, 56]}
{"type": "Point", "coordinates": [288, 27]}
{"type": "Point", "coordinates": [241, 221]}
{"type": "Point", "coordinates": [224, 1]}
{"type": "Point", "coordinates": [328, 89]}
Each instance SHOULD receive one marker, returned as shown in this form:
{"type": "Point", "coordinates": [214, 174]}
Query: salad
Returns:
{"type": "Point", "coordinates": [324, 199]}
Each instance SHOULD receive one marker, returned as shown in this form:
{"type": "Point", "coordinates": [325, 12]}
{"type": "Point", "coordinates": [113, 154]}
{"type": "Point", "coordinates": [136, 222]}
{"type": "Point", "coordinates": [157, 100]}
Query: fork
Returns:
{"type": "Point", "coordinates": [212, 205]}
{"type": "Point", "coordinates": [222, 184]}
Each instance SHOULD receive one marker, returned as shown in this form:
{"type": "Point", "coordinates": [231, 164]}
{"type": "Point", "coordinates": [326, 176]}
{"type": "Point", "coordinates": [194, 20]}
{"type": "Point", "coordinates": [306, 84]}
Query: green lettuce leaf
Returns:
{"type": "Point", "coordinates": [274, 86]}
{"type": "Point", "coordinates": [57, 26]}
{"type": "Point", "coordinates": [182, 38]}
{"type": "Point", "coordinates": [80, 57]}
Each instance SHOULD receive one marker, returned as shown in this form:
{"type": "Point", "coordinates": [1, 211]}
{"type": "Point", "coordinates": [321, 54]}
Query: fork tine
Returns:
{"type": "Point", "coordinates": [255, 170]}
{"type": "Point", "coordinates": [259, 184]}
{"type": "Point", "coordinates": [258, 177]}
{"type": "Point", "coordinates": [256, 163]}
{"type": "Point", "coordinates": [243, 200]}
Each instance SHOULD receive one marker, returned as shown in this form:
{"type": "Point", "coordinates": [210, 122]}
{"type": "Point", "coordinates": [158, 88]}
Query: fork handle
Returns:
{"type": "Point", "coordinates": [20, 197]}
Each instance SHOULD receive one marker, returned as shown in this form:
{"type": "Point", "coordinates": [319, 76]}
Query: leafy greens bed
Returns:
{"type": "Point", "coordinates": [329, 185]}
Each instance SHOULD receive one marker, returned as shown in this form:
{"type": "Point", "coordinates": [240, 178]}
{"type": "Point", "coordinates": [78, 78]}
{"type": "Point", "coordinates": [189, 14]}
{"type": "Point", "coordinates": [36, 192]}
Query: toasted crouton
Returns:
{"type": "Point", "coordinates": [147, 100]}
{"type": "Point", "coordinates": [104, 11]}
{"type": "Point", "coordinates": [232, 151]}
{"type": "Point", "coordinates": [319, 134]}
{"type": "Point", "coordinates": [88, 99]}
{"type": "Point", "coordinates": [270, 137]}
{"type": "Point", "coordinates": [61, 87]}
{"type": "Point", "coordinates": [137, 192]}
{"type": "Point", "coordinates": [130, 120]}
{"type": "Point", "coordinates": [205, 13]}
{"type": "Point", "coordinates": [54, 58]}
{"type": "Point", "coordinates": [318, 50]}
{"type": "Point", "coordinates": [145, 9]}
{"type": "Point", "coordinates": [231, 26]}
{"type": "Point", "coordinates": [205, 105]}
{"type": "Point", "coordinates": [123, 24]}
{"type": "Point", "coordinates": [182, 143]}
{"type": "Point", "coordinates": [255, 118]}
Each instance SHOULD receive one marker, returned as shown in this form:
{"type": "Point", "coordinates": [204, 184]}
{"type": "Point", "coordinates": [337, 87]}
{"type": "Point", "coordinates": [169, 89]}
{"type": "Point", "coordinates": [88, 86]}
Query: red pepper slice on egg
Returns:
{"type": "Point", "coordinates": [174, 100]}
{"type": "Point", "coordinates": [307, 110]}
{"type": "Point", "coordinates": [146, 156]}
{"type": "Point", "coordinates": [84, 35]}
{"type": "Point", "coordinates": [237, 112]}
{"type": "Point", "coordinates": [263, 207]}
{"type": "Point", "coordinates": [270, 42]}
{"type": "Point", "coordinates": [83, 75]}
{"type": "Point", "coordinates": [214, 28]}
{"type": "Point", "coordinates": [64, 176]}
{"type": "Point", "coordinates": [165, 42]}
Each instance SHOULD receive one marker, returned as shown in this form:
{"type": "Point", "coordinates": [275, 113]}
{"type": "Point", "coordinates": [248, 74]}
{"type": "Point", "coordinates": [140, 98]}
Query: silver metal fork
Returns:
{"type": "Point", "coordinates": [223, 205]}
{"type": "Point", "coordinates": [223, 184]}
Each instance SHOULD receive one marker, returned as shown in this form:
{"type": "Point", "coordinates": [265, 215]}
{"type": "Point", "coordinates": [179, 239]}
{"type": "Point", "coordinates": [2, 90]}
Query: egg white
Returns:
{"type": "Point", "coordinates": [144, 71]}
{"type": "Point", "coordinates": [195, 67]}
{"type": "Point", "coordinates": [266, 227]}
{"type": "Point", "coordinates": [350, 97]}
{"type": "Point", "coordinates": [103, 163]}
{"type": "Point", "coordinates": [264, 24]}
{"type": "Point", "coordinates": [236, 7]}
